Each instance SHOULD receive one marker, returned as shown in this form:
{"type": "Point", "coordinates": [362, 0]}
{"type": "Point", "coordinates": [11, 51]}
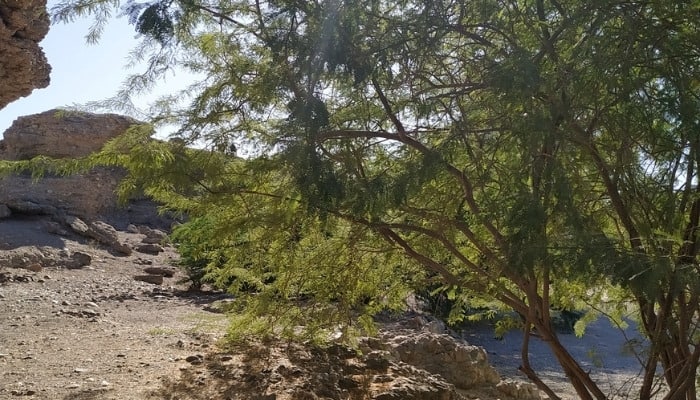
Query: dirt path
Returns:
{"type": "Point", "coordinates": [94, 332]}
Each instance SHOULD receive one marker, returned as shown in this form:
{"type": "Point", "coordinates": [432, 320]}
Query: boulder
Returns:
{"type": "Point", "coordinates": [29, 207]}
{"type": "Point", "coordinates": [458, 363]}
{"type": "Point", "coordinates": [519, 390]}
{"type": "Point", "coordinates": [106, 234]}
{"type": "Point", "coordinates": [102, 232]}
{"type": "Point", "coordinates": [23, 65]}
{"type": "Point", "coordinates": [79, 259]}
{"type": "Point", "coordinates": [77, 225]}
{"type": "Point", "coordinates": [410, 387]}
{"type": "Point", "coordinates": [152, 249]}
{"type": "Point", "coordinates": [152, 279]}
{"type": "Point", "coordinates": [152, 233]}
{"type": "Point", "coordinates": [61, 134]}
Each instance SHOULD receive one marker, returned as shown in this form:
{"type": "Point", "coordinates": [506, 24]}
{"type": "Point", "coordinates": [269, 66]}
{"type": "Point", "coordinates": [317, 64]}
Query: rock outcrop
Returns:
{"type": "Point", "coordinates": [23, 65]}
{"type": "Point", "coordinates": [60, 135]}
{"type": "Point", "coordinates": [432, 367]}
{"type": "Point", "coordinates": [458, 363]}
{"type": "Point", "coordinates": [83, 204]}
{"type": "Point", "coordinates": [85, 195]}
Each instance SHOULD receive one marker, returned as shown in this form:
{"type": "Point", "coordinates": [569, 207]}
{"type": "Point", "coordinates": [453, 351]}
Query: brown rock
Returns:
{"type": "Point", "coordinates": [87, 195]}
{"type": "Point", "coordinates": [148, 240]}
{"type": "Point", "coordinates": [153, 249]}
{"type": "Point", "coordinates": [79, 259]}
{"type": "Point", "coordinates": [153, 233]}
{"type": "Point", "coordinates": [152, 279]}
{"type": "Point", "coordinates": [195, 359]}
{"type": "Point", "coordinates": [23, 65]}
{"type": "Point", "coordinates": [55, 228]}
{"type": "Point", "coordinates": [162, 271]}
{"type": "Point", "coordinates": [377, 361]}
{"type": "Point", "coordinates": [36, 267]}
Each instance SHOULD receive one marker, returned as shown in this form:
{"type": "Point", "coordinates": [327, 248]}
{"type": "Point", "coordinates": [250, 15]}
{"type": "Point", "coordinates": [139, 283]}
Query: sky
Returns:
{"type": "Point", "coordinates": [81, 73]}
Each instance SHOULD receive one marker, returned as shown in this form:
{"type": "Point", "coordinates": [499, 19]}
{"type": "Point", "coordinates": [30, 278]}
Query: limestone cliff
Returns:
{"type": "Point", "coordinates": [23, 65]}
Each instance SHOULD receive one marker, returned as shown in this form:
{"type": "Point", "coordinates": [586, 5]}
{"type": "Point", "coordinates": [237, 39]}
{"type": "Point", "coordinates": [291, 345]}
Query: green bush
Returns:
{"type": "Point", "coordinates": [193, 244]}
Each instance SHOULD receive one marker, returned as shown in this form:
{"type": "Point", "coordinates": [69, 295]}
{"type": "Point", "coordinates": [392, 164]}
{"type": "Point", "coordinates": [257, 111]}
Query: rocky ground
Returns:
{"type": "Point", "coordinates": [79, 321]}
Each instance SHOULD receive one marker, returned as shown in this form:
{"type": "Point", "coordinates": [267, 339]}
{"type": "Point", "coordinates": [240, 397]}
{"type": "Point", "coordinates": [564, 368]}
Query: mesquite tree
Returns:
{"type": "Point", "coordinates": [534, 152]}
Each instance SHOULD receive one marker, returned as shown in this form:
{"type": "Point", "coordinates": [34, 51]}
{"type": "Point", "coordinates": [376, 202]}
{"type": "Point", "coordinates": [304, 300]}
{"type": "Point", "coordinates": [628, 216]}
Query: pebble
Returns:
{"type": "Point", "coordinates": [72, 386]}
{"type": "Point", "coordinates": [104, 383]}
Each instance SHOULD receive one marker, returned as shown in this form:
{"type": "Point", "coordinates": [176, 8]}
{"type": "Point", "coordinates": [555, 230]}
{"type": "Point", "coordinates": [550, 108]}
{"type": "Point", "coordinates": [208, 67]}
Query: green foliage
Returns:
{"type": "Point", "coordinates": [534, 153]}
{"type": "Point", "coordinates": [196, 253]}
{"type": "Point", "coordinates": [154, 20]}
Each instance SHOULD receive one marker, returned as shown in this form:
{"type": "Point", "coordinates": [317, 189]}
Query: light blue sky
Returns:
{"type": "Point", "coordinates": [80, 72]}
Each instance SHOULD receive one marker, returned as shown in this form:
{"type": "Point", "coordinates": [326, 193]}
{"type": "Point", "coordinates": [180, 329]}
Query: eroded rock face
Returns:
{"type": "Point", "coordinates": [86, 195]}
{"type": "Point", "coordinates": [23, 65]}
{"type": "Point", "coordinates": [61, 134]}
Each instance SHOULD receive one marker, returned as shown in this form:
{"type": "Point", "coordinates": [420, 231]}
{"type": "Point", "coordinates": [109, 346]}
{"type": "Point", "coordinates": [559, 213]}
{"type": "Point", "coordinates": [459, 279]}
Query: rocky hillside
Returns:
{"type": "Point", "coordinates": [90, 196]}
{"type": "Point", "coordinates": [23, 65]}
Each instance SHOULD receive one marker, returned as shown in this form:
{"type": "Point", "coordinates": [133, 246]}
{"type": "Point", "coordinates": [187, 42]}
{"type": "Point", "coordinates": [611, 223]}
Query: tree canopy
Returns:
{"type": "Point", "coordinates": [538, 153]}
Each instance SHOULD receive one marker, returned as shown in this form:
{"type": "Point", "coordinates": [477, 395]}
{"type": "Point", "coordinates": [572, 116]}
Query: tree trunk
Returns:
{"type": "Point", "coordinates": [582, 382]}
